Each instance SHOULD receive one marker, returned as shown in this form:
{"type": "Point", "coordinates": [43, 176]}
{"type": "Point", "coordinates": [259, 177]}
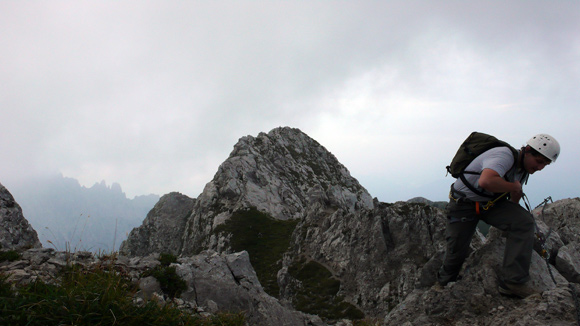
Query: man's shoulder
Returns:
{"type": "Point", "coordinates": [502, 153]}
{"type": "Point", "coordinates": [500, 150]}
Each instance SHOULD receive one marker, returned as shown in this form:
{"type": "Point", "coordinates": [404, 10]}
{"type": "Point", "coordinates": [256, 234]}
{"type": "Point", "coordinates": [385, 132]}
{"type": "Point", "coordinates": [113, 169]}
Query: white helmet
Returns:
{"type": "Point", "coordinates": [545, 145]}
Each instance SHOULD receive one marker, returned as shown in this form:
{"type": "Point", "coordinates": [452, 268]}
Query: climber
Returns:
{"type": "Point", "coordinates": [492, 196]}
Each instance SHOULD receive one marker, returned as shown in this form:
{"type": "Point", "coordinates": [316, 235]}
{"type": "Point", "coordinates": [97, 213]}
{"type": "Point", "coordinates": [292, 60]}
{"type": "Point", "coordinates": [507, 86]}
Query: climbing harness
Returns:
{"type": "Point", "coordinates": [479, 206]}
{"type": "Point", "coordinates": [490, 203]}
{"type": "Point", "coordinates": [546, 254]}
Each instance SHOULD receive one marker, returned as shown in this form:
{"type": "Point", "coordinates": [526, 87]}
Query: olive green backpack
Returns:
{"type": "Point", "coordinates": [472, 147]}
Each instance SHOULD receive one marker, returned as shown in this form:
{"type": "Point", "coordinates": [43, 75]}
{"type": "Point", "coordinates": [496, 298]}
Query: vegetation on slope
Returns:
{"type": "Point", "coordinates": [318, 292]}
{"type": "Point", "coordinates": [100, 295]}
{"type": "Point", "coordinates": [171, 284]}
{"type": "Point", "coordinates": [264, 238]}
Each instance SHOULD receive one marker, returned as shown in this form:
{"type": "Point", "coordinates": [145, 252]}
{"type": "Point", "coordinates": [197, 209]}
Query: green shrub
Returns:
{"type": "Point", "coordinates": [171, 284]}
{"type": "Point", "coordinates": [264, 238]}
{"type": "Point", "coordinates": [10, 255]}
{"type": "Point", "coordinates": [167, 259]}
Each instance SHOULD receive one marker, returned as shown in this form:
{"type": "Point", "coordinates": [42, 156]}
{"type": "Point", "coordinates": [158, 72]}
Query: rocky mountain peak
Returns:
{"type": "Point", "coordinates": [283, 171]}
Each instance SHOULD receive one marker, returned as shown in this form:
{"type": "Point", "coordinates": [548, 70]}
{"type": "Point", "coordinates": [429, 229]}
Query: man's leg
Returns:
{"type": "Point", "coordinates": [458, 235]}
{"type": "Point", "coordinates": [519, 224]}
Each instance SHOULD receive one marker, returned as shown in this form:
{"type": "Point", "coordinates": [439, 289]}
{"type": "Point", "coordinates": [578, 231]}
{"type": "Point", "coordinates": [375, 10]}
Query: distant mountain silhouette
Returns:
{"type": "Point", "coordinates": [67, 215]}
{"type": "Point", "coordinates": [438, 204]}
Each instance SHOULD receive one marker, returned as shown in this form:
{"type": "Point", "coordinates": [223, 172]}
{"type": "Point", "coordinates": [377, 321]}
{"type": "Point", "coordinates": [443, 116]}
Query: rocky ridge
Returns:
{"type": "Point", "coordinates": [373, 259]}
{"type": "Point", "coordinates": [376, 256]}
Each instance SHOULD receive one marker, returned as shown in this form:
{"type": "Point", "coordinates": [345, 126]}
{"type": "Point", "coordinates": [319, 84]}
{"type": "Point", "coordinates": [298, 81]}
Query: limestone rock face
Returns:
{"type": "Point", "coordinates": [564, 217]}
{"type": "Point", "coordinates": [568, 262]}
{"type": "Point", "coordinates": [379, 255]}
{"type": "Point", "coordinates": [280, 173]}
{"type": "Point", "coordinates": [15, 231]}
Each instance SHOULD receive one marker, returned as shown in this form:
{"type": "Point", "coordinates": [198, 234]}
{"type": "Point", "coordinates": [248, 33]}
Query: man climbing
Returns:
{"type": "Point", "coordinates": [489, 190]}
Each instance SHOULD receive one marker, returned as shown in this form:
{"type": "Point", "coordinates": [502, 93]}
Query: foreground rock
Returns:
{"type": "Point", "coordinates": [15, 231]}
{"type": "Point", "coordinates": [215, 282]}
{"type": "Point", "coordinates": [474, 299]}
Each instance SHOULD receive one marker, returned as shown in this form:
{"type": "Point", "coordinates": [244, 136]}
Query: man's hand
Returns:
{"type": "Point", "coordinates": [516, 195]}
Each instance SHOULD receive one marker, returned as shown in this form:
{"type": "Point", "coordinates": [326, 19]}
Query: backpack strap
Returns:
{"type": "Point", "coordinates": [471, 187]}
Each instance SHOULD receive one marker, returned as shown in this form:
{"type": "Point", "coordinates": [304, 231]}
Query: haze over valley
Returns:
{"type": "Point", "coordinates": [67, 215]}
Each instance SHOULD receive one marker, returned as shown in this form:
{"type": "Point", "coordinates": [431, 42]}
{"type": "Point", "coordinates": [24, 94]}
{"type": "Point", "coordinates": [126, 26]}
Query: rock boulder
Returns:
{"type": "Point", "coordinates": [15, 231]}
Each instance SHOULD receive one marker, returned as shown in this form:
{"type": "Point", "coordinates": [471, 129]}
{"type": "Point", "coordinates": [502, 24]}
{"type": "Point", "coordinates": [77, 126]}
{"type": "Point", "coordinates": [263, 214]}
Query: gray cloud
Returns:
{"type": "Point", "coordinates": [154, 94]}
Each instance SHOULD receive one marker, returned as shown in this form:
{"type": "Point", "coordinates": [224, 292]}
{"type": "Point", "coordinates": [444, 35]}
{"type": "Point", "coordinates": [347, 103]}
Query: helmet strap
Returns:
{"type": "Point", "coordinates": [523, 152]}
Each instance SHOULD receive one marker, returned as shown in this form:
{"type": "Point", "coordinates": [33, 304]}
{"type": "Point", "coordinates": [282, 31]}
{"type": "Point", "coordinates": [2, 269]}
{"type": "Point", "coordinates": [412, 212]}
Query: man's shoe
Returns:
{"type": "Point", "coordinates": [516, 290]}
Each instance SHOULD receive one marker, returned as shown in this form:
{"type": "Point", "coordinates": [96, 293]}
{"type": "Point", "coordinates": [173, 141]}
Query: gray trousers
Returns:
{"type": "Point", "coordinates": [504, 215]}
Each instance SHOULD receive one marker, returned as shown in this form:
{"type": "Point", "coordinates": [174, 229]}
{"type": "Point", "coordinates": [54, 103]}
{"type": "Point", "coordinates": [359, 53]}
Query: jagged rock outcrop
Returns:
{"type": "Point", "coordinates": [15, 231]}
{"type": "Point", "coordinates": [379, 255]}
{"type": "Point", "coordinates": [229, 283]}
{"type": "Point", "coordinates": [280, 173]}
{"type": "Point", "coordinates": [165, 221]}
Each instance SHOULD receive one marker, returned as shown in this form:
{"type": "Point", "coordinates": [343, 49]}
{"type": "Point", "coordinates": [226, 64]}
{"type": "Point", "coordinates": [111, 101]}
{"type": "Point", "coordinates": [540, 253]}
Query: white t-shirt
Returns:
{"type": "Point", "coordinates": [499, 159]}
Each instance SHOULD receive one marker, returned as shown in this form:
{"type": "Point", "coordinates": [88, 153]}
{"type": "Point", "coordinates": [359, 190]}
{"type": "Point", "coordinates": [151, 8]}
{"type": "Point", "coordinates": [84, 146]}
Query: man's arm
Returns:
{"type": "Point", "coordinates": [493, 182]}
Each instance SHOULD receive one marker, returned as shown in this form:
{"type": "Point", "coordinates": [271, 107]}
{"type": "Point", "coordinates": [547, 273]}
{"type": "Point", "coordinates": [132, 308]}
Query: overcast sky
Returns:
{"type": "Point", "coordinates": [154, 94]}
